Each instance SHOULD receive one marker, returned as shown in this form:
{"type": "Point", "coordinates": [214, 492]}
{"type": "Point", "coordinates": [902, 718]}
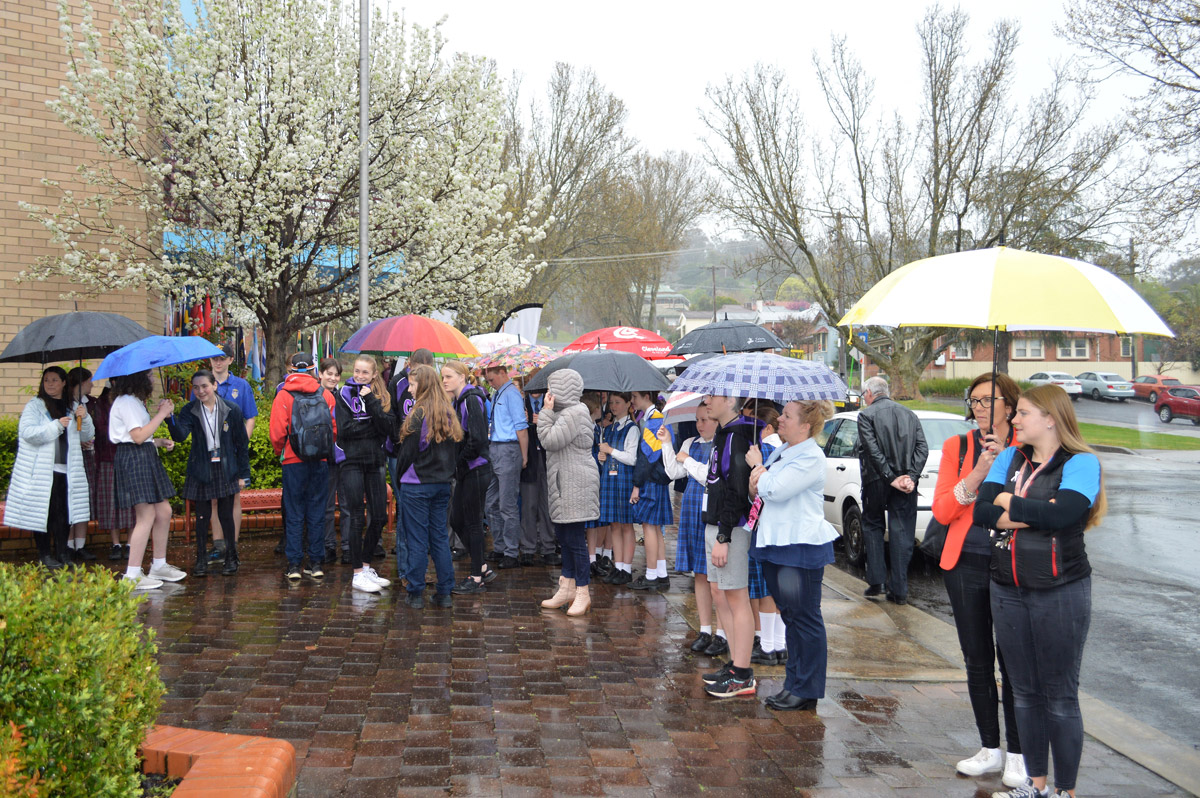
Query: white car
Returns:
{"type": "Point", "coordinates": [843, 485]}
{"type": "Point", "coordinates": [1106, 385]}
{"type": "Point", "coordinates": [1062, 379]}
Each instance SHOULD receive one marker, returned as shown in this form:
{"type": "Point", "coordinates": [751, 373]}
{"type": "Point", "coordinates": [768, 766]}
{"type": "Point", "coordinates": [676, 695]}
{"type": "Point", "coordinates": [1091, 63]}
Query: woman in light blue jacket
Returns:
{"type": "Point", "coordinates": [793, 542]}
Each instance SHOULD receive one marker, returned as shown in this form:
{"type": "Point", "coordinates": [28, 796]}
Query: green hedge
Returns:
{"type": "Point", "coordinates": [78, 677]}
{"type": "Point", "coordinates": [8, 450]}
{"type": "Point", "coordinates": [955, 388]}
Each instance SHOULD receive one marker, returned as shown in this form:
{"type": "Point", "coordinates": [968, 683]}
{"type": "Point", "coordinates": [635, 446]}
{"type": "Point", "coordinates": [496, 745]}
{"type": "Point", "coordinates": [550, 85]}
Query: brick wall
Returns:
{"type": "Point", "coordinates": [34, 146]}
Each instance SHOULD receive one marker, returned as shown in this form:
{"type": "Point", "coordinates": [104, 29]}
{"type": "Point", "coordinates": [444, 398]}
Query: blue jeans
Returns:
{"type": "Point", "coordinates": [1041, 633]}
{"type": "Point", "coordinates": [797, 593]}
{"type": "Point", "coordinates": [424, 508]}
{"type": "Point", "coordinates": [401, 537]}
{"type": "Point", "coordinates": [572, 538]}
{"type": "Point", "coordinates": [305, 492]}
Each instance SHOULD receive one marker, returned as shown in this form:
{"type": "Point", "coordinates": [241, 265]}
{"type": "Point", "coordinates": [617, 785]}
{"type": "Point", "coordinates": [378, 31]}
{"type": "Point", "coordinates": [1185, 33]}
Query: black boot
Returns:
{"type": "Point", "coordinates": [231, 558]}
{"type": "Point", "coordinates": [200, 569]}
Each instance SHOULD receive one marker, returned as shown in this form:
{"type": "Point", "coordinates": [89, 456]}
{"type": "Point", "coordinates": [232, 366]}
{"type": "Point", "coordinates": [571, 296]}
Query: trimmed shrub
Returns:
{"type": "Point", "coordinates": [8, 450]}
{"type": "Point", "coordinates": [957, 387]}
{"type": "Point", "coordinates": [79, 677]}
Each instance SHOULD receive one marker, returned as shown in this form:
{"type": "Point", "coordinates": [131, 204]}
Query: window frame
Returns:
{"type": "Point", "coordinates": [1026, 345]}
{"type": "Point", "coordinates": [1068, 349]}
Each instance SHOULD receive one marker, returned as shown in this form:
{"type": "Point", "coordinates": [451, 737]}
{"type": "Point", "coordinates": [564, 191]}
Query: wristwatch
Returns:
{"type": "Point", "coordinates": [723, 537]}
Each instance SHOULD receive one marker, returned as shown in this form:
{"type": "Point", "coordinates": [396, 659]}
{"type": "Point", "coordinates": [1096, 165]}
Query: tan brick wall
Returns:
{"type": "Point", "coordinates": [36, 146]}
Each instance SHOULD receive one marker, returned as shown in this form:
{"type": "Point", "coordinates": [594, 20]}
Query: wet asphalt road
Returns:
{"type": "Point", "coordinates": [1141, 654]}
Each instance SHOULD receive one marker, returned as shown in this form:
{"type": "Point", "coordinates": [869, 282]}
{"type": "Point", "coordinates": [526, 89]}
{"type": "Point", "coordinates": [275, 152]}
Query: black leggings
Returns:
{"type": "Point", "coordinates": [58, 523]}
{"type": "Point", "coordinates": [363, 490]}
{"type": "Point", "coordinates": [466, 512]}
{"type": "Point", "coordinates": [204, 516]}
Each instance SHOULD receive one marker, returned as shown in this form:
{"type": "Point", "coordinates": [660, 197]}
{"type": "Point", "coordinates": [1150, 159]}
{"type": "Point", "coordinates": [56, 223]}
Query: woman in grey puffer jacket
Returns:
{"type": "Point", "coordinates": [573, 484]}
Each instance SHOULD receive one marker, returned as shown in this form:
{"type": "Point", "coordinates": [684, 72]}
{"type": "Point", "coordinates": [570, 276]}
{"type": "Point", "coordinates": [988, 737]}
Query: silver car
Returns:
{"type": "Point", "coordinates": [1105, 385]}
{"type": "Point", "coordinates": [1063, 380]}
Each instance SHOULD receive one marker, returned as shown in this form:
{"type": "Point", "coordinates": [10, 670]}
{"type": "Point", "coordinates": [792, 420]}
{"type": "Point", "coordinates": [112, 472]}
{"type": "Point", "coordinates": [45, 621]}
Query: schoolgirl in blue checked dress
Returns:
{"type": "Point", "coordinates": [770, 645]}
{"type": "Point", "coordinates": [691, 461]}
{"type": "Point", "coordinates": [651, 493]}
{"type": "Point", "coordinates": [597, 530]}
{"type": "Point", "coordinates": [618, 454]}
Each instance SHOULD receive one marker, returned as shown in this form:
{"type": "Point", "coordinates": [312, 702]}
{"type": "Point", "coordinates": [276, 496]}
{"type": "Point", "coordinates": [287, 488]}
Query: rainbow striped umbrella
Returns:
{"type": "Point", "coordinates": [403, 335]}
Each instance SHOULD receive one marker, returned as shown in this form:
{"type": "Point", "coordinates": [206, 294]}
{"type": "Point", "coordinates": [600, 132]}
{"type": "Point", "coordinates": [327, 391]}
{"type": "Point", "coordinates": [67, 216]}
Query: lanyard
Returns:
{"type": "Point", "coordinates": [213, 441]}
{"type": "Point", "coordinates": [1021, 483]}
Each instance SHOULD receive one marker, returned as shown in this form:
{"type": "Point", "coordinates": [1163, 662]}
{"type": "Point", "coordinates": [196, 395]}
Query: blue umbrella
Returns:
{"type": "Point", "coordinates": [156, 351]}
{"type": "Point", "coordinates": [760, 375]}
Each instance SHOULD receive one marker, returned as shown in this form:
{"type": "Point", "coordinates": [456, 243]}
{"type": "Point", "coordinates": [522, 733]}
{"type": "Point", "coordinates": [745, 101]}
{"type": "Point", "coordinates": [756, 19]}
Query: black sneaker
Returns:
{"type": "Point", "coordinates": [761, 657]}
{"type": "Point", "coordinates": [702, 641]}
{"type": "Point", "coordinates": [642, 583]}
{"type": "Point", "coordinates": [604, 565]}
{"type": "Point", "coordinates": [489, 576]}
{"type": "Point", "coordinates": [414, 601]}
{"type": "Point", "coordinates": [781, 657]}
{"type": "Point", "coordinates": [620, 577]}
{"type": "Point", "coordinates": [718, 647]}
{"type": "Point", "coordinates": [719, 674]}
{"type": "Point", "coordinates": [508, 562]}
{"type": "Point", "coordinates": [117, 552]}
{"type": "Point", "coordinates": [443, 600]}
{"type": "Point", "coordinates": [292, 572]}
{"type": "Point", "coordinates": [84, 555]}
{"type": "Point", "coordinates": [51, 562]}
{"type": "Point", "coordinates": [731, 686]}
{"type": "Point", "coordinates": [468, 587]}
{"type": "Point", "coordinates": [757, 648]}
{"type": "Point", "coordinates": [873, 591]}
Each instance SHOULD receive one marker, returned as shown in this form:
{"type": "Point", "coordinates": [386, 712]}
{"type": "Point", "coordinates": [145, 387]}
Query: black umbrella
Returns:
{"type": "Point", "coordinates": [726, 337]}
{"type": "Point", "coordinates": [681, 367]}
{"type": "Point", "coordinates": [81, 335]}
{"type": "Point", "coordinates": [605, 370]}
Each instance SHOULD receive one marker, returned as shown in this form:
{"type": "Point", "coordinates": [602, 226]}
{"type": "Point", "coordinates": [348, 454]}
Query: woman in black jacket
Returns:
{"type": "Point", "coordinates": [364, 424]}
{"type": "Point", "coordinates": [218, 463]}
{"type": "Point", "coordinates": [472, 471]}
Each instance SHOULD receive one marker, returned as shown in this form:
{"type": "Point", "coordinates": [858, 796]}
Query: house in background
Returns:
{"type": "Point", "coordinates": [804, 327]}
{"type": "Point", "coordinates": [668, 304]}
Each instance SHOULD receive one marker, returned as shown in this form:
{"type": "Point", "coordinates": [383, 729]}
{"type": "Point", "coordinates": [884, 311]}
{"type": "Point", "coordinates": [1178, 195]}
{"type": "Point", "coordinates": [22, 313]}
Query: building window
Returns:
{"type": "Point", "coordinates": [961, 351]}
{"type": "Point", "coordinates": [1073, 349]}
{"type": "Point", "coordinates": [1126, 346]}
{"type": "Point", "coordinates": [1027, 349]}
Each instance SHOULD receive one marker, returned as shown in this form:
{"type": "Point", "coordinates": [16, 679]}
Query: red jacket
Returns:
{"type": "Point", "coordinates": [281, 412]}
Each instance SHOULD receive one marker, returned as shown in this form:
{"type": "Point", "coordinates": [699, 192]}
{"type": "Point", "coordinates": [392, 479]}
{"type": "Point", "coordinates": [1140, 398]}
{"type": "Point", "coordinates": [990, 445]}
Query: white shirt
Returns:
{"type": "Point", "coordinates": [209, 421]}
{"type": "Point", "coordinates": [127, 414]}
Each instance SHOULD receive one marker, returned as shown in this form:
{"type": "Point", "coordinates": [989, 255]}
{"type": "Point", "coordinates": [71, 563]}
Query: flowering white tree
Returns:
{"type": "Point", "coordinates": [236, 136]}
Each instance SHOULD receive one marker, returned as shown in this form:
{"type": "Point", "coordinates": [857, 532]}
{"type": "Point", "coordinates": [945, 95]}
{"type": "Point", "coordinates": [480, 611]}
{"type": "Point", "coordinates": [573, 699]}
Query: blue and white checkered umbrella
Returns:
{"type": "Point", "coordinates": [760, 375]}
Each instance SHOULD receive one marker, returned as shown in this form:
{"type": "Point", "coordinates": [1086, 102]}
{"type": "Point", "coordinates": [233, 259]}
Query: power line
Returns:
{"type": "Point", "coordinates": [637, 256]}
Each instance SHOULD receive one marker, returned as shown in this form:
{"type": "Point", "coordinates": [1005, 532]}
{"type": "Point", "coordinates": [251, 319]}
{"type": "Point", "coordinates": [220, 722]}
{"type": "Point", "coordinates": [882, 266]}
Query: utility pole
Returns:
{"type": "Point", "coordinates": [1133, 339]}
{"type": "Point", "coordinates": [364, 156]}
{"type": "Point", "coordinates": [714, 290]}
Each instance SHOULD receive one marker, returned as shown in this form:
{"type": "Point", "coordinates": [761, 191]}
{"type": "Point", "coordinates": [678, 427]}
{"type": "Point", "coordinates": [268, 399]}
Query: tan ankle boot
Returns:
{"type": "Point", "coordinates": [583, 600]}
{"type": "Point", "coordinates": [566, 592]}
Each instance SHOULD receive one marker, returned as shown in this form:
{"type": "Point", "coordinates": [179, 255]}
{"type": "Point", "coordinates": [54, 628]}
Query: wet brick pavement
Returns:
{"type": "Point", "coordinates": [499, 697]}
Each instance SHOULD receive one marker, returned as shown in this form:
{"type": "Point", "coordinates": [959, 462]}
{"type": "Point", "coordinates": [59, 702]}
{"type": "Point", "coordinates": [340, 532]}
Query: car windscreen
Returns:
{"type": "Point", "coordinates": [937, 430]}
{"type": "Point", "coordinates": [1171, 382]}
{"type": "Point", "coordinates": [1109, 377]}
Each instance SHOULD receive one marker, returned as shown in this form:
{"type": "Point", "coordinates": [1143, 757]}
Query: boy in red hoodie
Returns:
{"type": "Point", "coordinates": [305, 482]}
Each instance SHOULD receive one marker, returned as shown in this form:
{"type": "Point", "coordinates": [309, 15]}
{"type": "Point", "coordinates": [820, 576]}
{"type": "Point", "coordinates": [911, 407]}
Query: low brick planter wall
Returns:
{"type": "Point", "coordinates": [218, 765]}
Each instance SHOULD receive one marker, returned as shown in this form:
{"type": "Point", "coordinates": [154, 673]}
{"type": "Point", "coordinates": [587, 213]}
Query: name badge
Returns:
{"type": "Point", "coordinates": [704, 503]}
{"type": "Point", "coordinates": [612, 465]}
{"type": "Point", "coordinates": [214, 455]}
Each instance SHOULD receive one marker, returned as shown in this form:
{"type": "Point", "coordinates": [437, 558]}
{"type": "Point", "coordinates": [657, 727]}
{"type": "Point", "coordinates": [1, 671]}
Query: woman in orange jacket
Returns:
{"type": "Point", "coordinates": [965, 571]}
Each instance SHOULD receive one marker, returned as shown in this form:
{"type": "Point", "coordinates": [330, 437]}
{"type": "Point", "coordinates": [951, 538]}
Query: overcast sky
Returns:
{"type": "Point", "coordinates": [659, 56]}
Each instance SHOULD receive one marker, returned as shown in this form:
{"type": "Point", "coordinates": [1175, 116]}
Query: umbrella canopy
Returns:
{"type": "Point", "coordinates": [727, 336]}
{"type": "Point", "coordinates": [642, 343]}
{"type": "Point", "coordinates": [682, 406]}
{"type": "Point", "coordinates": [487, 343]}
{"type": "Point", "coordinates": [1005, 289]}
{"type": "Point", "coordinates": [518, 358]}
{"type": "Point", "coordinates": [81, 335]}
{"type": "Point", "coordinates": [761, 375]}
{"type": "Point", "coordinates": [605, 370]}
{"type": "Point", "coordinates": [155, 351]}
{"type": "Point", "coordinates": [403, 335]}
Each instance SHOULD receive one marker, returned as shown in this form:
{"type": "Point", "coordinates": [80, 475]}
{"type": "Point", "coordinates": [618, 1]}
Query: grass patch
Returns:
{"type": "Point", "coordinates": [957, 409]}
{"type": "Point", "coordinates": [1097, 434]}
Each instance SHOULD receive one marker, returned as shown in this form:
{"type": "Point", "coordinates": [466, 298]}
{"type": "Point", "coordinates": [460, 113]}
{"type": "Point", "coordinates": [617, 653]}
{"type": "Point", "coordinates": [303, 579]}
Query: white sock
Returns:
{"type": "Point", "coordinates": [652, 573]}
{"type": "Point", "coordinates": [705, 630]}
{"type": "Point", "coordinates": [157, 563]}
{"type": "Point", "coordinates": [780, 633]}
{"type": "Point", "coordinates": [627, 567]}
{"type": "Point", "coordinates": [607, 553]}
{"type": "Point", "coordinates": [721, 634]}
{"type": "Point", "coordinates": [74, 544]}
{"type": "Point", "coordinates": [662, 568]}
{"type": "Point", "coordinates": [766, 632]}
{"type": "Point", "coordinates": [132, 572]}
{"type": "Point", "coordinates": [593, 557]}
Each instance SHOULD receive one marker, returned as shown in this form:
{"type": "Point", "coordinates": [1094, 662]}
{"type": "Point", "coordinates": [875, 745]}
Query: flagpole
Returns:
{"type": "Point", "coordinates": [364, 98]}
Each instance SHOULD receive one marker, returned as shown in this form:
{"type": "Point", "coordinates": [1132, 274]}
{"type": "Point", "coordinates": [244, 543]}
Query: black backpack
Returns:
{"type": "Point", "coordinates": [311, 432]}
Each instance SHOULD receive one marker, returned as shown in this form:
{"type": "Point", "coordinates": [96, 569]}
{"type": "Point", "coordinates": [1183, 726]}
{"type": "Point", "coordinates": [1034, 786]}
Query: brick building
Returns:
{"type": "Point", "coordinates": [37, 146]}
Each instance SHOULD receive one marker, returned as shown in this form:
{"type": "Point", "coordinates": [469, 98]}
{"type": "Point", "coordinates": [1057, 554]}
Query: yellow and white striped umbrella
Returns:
{"type": "Point", "coordinates": [1005, 289]}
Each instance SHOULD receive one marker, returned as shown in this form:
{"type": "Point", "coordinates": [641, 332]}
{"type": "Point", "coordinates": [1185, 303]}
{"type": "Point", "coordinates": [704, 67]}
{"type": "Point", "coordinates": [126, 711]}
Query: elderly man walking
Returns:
{"type": "Point", "coordinates": [891, 452]}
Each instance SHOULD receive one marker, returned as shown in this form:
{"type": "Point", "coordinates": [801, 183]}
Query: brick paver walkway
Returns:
{"type": "Point", "coordinates": [498, 697]}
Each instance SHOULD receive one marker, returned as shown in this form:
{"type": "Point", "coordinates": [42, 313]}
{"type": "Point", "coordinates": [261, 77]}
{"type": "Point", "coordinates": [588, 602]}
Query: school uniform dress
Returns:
{"type": "Point", "coordinates": [616, 475]}
{"type": "Point", "coordinates": [139, 474]}
{"type": "Point", "coordinates": [104, 498]}
{"type": "Point", "coordinates": [654, 498]}
{"type": "Point", "coordinates": [689, 546]}
{"type": "Point", "coordinates": [756, 581]}
{"type": "Point", "coordinates": [597, 431]}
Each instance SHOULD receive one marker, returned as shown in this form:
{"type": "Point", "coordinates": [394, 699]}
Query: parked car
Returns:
{"type": "Point", "coordinates": [1072, 386]}
{"type": "Point", "coordinates": [1179, 402]}
{"type": "Point", "coordinates": [1151, 385]}
{"type": "Point", "coordinates": [843, 484]}
{"type": "Point", "coordinates": [1106, 385]}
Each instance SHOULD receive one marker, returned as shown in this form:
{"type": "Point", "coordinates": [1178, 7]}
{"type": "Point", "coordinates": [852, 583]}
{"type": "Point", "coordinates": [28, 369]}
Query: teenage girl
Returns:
{"type": "Point", "coordinates": [618, 455]}
{"type": "Point", "coordinates": [473, 472]}
{"type": "Point", "coordinates": [79, 388]}
{"type": "Point", "coordinates": [651, 493]}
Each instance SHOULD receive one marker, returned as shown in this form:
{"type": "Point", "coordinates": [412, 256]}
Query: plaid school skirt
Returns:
{"type": "Point", "coordinates": [217, 486]}
{"type": "Point", "coordinates": [140, 476]}
{"type": "Point", "coordinates": [104, 501]}
{"type": "Point", "coordinates": [654, 505]}
{"type": "Point", "coordinates": [756, 581]}
{"type": "Point", "coordinates": [689, 547]}
{"type": "Point", "coordinates": [615, 490]}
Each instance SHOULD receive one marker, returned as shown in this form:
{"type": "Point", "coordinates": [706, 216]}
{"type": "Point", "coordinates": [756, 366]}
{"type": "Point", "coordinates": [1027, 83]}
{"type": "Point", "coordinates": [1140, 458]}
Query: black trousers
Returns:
{"type": "Point", "coordinates": [58, 522]}
{"type": "Point", "coordinates": [363, 489]}
{"type": "Point", "coordinates": [881, 500]}
{"type": "Point", "coordinates": [204, 520]}
{"type": "Point", "coordinates": [466, 512]}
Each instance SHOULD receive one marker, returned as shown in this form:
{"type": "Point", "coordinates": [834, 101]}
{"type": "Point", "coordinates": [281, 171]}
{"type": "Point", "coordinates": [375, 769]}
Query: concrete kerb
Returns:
{"type": "Point", "coordinates": [1152, 749]}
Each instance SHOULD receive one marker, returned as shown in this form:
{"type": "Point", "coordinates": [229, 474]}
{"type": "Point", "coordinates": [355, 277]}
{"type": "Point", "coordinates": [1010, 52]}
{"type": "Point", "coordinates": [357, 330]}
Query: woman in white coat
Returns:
{"type": "Point", "coordinates": [49, 488]}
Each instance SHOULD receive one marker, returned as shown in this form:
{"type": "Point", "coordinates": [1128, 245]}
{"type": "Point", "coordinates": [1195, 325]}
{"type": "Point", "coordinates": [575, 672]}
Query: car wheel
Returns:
{"type": "Point", "coordinates": [1196, 422]}
{"type": "Point", "coordinates": [1096, 394]}
{"type": "Point", "coordinates": [1165, 415]}
{"type": "Point", "coordinates": [1122, 398]}
{"type": "Point", "coordinates": [1154, 397]}
{"type": "Point", "coordinates": [852, 535]}
{"type": "Point", "coordinates": [1074, 397]}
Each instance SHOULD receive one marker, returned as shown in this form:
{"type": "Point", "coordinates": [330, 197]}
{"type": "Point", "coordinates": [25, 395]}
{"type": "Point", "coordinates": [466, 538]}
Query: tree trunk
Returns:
{"type": "Point", "coordinates": [279, 342]}
{"type": "Point", "coordinates": [1003, 346]}
{"type": "Point", "coordinates": [904, 375]}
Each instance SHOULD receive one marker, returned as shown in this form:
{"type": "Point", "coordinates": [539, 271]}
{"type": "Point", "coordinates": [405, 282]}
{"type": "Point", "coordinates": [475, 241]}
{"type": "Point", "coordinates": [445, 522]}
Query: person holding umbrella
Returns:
{"type": "Point", "coordinates": [218, 465]}
{"type": "Point", "coordinates": [141, 481]}
{"type": "Point", "coordinates": [49, 490]}
{"type": "Point", "coordinates": [79, 389]}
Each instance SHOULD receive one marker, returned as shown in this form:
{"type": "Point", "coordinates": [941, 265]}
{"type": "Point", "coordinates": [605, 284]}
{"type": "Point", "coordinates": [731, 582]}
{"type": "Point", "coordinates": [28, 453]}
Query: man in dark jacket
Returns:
{"type": "Point", "coordinates": [891, 452]}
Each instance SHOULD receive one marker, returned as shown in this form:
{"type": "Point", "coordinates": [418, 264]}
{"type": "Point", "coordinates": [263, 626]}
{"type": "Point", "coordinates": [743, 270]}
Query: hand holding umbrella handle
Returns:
{"type": "Point", "coordinates": [80, 412]}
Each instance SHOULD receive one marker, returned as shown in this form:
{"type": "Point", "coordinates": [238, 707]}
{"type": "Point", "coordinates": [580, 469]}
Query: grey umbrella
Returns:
{"type": "Point", "coordinates": [81, 335]}
{"type": "Point", "coordinates": [727, 336]}
{"type": "Point", "coordinates": [605, 370]}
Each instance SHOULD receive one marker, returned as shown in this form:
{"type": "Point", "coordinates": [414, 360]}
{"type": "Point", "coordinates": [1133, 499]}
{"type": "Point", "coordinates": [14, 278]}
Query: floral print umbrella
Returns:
{"type": "Point", "coordinates": [518, 358]}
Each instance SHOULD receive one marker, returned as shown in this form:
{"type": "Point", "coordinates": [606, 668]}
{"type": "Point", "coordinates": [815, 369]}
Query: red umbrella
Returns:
{"type": "Point", "coordinates": [403, 335]}
{"type": "Point", "coordinates": [623, 339]}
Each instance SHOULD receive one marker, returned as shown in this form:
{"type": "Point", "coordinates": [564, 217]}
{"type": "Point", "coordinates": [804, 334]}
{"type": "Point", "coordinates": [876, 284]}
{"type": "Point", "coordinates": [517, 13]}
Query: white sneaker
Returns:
{"type": "Point", "coordinates": [374, 576]}
{"type": "Point", "coordinates": [362, 581]}
{"type": "Point", "coordinates": [142, 582]}
{"type": "Point", "coordinates": [167, 572]}
{"type": "Point", "coordinates": [988, 760]}
{"type": "Point", "coordinates": [1014, 770]}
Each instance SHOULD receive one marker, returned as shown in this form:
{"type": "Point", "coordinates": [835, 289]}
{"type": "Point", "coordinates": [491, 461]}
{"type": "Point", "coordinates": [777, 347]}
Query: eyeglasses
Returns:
{"type": "Point", "coordinates": [984, 402]}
